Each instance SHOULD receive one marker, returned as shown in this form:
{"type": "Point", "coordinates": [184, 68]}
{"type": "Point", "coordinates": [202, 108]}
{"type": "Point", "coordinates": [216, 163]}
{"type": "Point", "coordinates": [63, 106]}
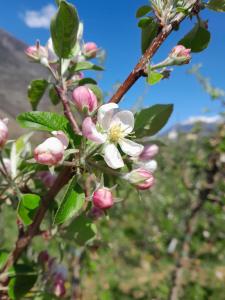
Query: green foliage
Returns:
{"type": "Point", "coordinates": [143, 10]}
{"type": "Point", "coordinates": [21, 283]}
{"type": "Point", "coordinates": [150, 120]}
{"type": "Point", "coordinates": [197, 39]}
{"type": "Point", "coordinates": [27, 208]}
{"type": "Point", "coordinates": [53, 95]}
{"type": "Point", "coordinates": [149, 32]}
{"type": "Point", "coordinates": [72, 202]}
{"type": "Point", "coordinates": [217, 5]}
{"type": "Point", "coordinates": [36, 91]}
{"type": "Point", "coordinates": [85, 65]}
{"type": "Point", "coordinates": [153, 77]}
{"type": "Point", "coordinates": [64, 28]}
{"type": "Point", "coordinates": [82, 230]}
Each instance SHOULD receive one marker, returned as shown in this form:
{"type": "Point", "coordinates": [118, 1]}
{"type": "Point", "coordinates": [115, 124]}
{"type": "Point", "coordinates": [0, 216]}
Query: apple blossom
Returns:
{"type": "Point", "coordinates": [149, 152]}
{"type": "Point", "coordinates": [36, 52]}
{"type": "Point", "coordinates": [103, 198]}
{"type": "Point", "coordinates": [90, 49]}
{"type": "Point", "coordinates": [84, 98]}
{"type": "Point", "coordinates": [181, 55]}
{"type": "Point", "coordinates": [4, 132]}
{"type": "Point", "coordinates": [111, 129]}
{"type": "Point", "coordinates": [50, 152]}
{"type": "Point", "coordinates": [141, 178]}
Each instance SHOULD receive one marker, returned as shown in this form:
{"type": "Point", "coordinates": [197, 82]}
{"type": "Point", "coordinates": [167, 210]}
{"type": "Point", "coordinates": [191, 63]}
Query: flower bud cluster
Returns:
{"type": "Point", "coordinates": [180, 55]}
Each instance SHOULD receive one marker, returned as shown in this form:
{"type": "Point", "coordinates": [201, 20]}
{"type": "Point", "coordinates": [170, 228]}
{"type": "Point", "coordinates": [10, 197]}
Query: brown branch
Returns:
{"type": "Point", "coordinates": [182, 261]}
{"type": "Point", "coordinates": [24, 240]}
{"type": "Point", "coordinates": [139, 69]}
{"type": "Point", "coordinates": [67, 110]}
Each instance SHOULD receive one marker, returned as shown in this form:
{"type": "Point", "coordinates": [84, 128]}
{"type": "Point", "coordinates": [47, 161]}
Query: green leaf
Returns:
{"type": "Point", "coordinates": [153, 77]}
{"type": "Point", "coordinates": [82, 229]}
{"type": "Point", "coordinates": [64, 28]}
{"type": "Point", "coordinates": [36, 91]}
{"type": "Point", "coordinates": [144, 22]}
{"type": "Point", "coordinates": [27, 208]}
{"type": "Point", "coordinates": [96, 90]}
{"type": "Point", "coordinates": [71, 203]}
{"type": "Point", "coordinates": [23, 281]}
{"type": "Point", "coordinates": [85, 65]}
{"type": "Point", "coordinates": [149, 32]}
{"type": "Point", "coordinates": [150, 120]}
{"type": "Point", "coordinates": [142, 11]}
{"type": "Point", "coordinates": [217, 5]}
{"type": "Point", "coordinates": [53, 95]}
{"type": "Point", "coordinates": [197, 39]}
{"type": "Point", "coordinates": [40, 120]}
{"type": "Point", "coordinates": [87, 81]}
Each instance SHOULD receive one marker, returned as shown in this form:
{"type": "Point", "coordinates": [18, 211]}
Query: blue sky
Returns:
{"type": "Point", "coordinates": [113, 26]}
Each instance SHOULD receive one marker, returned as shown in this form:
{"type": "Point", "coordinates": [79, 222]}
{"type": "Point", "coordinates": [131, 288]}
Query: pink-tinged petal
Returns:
{"type": "Point", "coordinates": [112, 157]}
{"type": "Point", "coordinates": [131, 148]}
{"type": "Point", "coordinates": [90, 131]}
{"type": "Point", "coordinates": [105, 114]}
{"type": "Point", "coordinates": [62, 137]}
{"type": "Point", "coordinates": [125, 119]}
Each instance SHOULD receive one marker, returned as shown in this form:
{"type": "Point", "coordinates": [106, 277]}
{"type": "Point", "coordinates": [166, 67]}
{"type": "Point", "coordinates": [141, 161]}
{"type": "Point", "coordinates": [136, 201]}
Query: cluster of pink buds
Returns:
{"type": "Point", "coordinates": [54, 273]}
{"type": "Point", "coordinates": [51, 151]}
{"type": "Point", "coordinates": [4, 132]}
{"type": "Point", "coordinates": [84, 99]}
{"type": "Point", "coordinates": [90, 50]}
{"type": "Point", "coordinates": [180, 55]}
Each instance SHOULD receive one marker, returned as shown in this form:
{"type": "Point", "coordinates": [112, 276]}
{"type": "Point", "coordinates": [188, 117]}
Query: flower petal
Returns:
{"type": "Point", "coordinates": [125, 119]}
{"type": "Point", "coordinates": [112, 157]}
{"type": "Point", "coordinates": [131, 148]}
{"type": "Point", "coordinates": [90, 131]}
{"type": "Point", "coordinates": [105, 114]}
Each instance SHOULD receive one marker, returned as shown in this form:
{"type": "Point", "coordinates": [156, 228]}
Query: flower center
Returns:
{"type": "Point", "coordinates": [115, 133]}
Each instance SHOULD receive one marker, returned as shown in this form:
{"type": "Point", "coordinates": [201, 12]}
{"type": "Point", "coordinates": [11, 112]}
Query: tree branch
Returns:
{"type": "Point", "coordinates": [139, 69]}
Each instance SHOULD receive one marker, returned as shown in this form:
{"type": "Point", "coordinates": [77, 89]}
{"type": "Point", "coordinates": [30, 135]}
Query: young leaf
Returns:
{"type": "Point", "coordinates": [82, 229]}
{"type": "Point", "coordinates": [27, 208]}
{"type": "Point", "coordinates": [150, 120]}
{"type": "Point", "coordinates": [142, 11]}
{"type": "Point", "coordinates": [87, 81]}
{"type": "Point", "coordinates": [71, 203]}
{"type": "Point", "coordinates": [22, 282]}
{"type": "Point", "coordinates": [153, 77]}
{"type": "Point", "coordinates": [85, 65]}
{"type": "Point", "coordinates": [36, 91]}
{"type": "Point", "coordinates": [144, 22]}
{"type": "Point", "coordinates": [217, 5]}
{"type": "Point", "coordinates": [197, 39]}
{"type": "Point", "coordinates": [53, 95]}
{"type": "Point", "coordinates": [149, 32]}
{"type": "Point", "coordinates": [64, 28]}
{"type": "Point", "coordinates": [40, 120]}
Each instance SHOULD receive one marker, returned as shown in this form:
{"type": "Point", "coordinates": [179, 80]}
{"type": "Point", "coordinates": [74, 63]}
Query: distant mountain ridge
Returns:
{"type": "Point", "coordinates": [16, 72]}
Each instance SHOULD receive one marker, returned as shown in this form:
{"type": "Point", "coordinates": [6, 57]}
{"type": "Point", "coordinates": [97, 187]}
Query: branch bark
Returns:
{"type": "Point", "coordinates": [139, 69]}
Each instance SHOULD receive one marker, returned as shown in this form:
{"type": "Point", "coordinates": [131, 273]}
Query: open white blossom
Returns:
{"type": "Point", "coordinates": [112, 128]}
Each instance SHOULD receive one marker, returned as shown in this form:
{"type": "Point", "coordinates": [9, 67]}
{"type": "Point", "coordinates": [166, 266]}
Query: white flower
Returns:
{"type": "Point", "coordinates": [112, 128]}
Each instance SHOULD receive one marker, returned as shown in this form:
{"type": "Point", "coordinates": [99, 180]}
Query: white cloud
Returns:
{"type": "Point", "coordinates": [204, 119]}
{"type": "Point", "coordinates": [40, 18]}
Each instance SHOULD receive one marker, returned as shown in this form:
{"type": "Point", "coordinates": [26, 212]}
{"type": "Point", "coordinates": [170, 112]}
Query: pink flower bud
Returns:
{"type": "Point", "coordinates": [181, 54]}
{"type": "Point", "coordinates": [59, 288]}
{"type": "Point", "coordinates": [84, 98]}
{"type": "Point", "coordinates": [36, 52]}
{"type": "Point", "coordinates": [149, 152]}
{"type": "Point", "coordinates": [103, 198]}
{"type": "Point", "coordinates": [141, 178]}
{"type": "Point", "coordinates": [43, 257]}
{"type": "Point", "coordinates": [50, 152]}
{"type": "Point", "coordinates": [90, 50]}
{"type": "Point", "coordinates": [96, 213]}
{"type": "Point", "coordinates": [3, 132]}
{"type": "Point", "coordinates": [47, 178]}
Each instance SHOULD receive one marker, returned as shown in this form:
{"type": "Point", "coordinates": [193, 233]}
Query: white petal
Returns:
{"type": "Point", "coordinates": [105, 114]}
{"type": "Point", "coordinates": [131, 148]}
{"type": "Point", "coordinates": [90, 131]}
{"type": "Point", "coordinates": [52, 57]}
{"type": "Point", "coordinates": [125, 119]}
{"type": "Point", "coordinates": [112, 157]}
{"type": "Point", "coordinates": [151, 166]}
